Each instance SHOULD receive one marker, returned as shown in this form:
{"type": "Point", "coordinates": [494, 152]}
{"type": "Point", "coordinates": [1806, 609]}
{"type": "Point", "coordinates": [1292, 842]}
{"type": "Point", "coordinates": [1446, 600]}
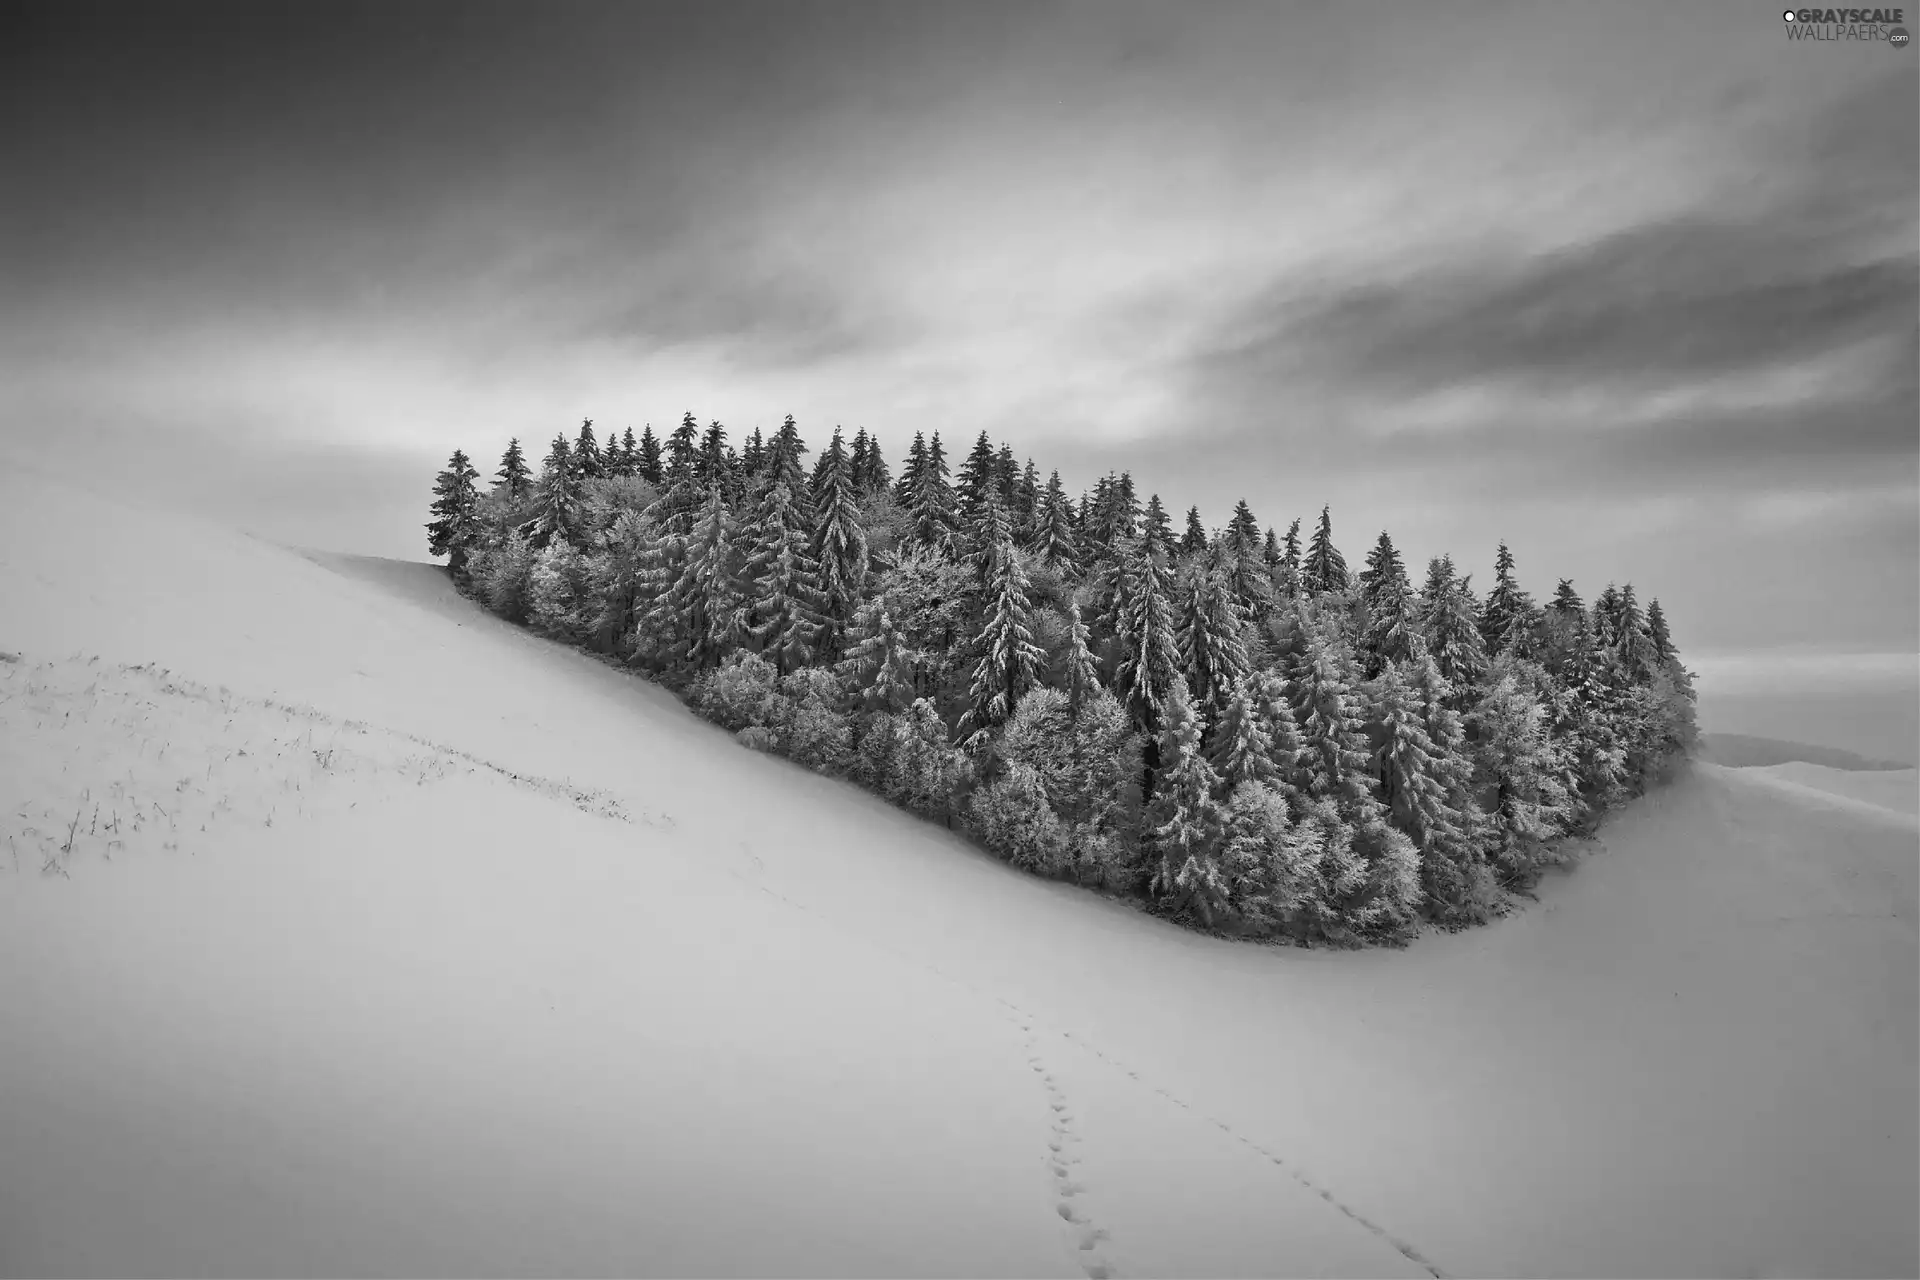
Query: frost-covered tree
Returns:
{"type": "Point", "coordinates": [1006, 660]}
{"type": "Point", "coordinates": [977, 484]}
{"type": "Point", "coordinates": [1423, 784]}
{"type": "Point", "coordinates": [1016, 820]}
{"type": "Point", "coordinates": [588, 461]}
{"type": "Point", "coordinates": [785, 619]}
{"type": "Point", "coordinates": [455, 525]}
{"type": "Point", "coordinates": [1184, 820]}
{"type": "Point", "coordinates": [880, 661]}
{"type": "Point", "coordinates": [1194, 540]}
{"type": "Point", "coordinates": [936, 520]}
{"type": "Point", "coordinates": [1524, 770]}
{"type": "Point", "coordinates": [1145, 639]}
{"type": "Point", "coordinates": [1324, 569]}
{"type": "Point", "coordinates": [559, 496]}
{"type": "Point", "coordinates": [1452, 626]}
{"type": "Point", "coordinates": [558, 599]}
{"type": "Point", "coordinates": [908, 484]}
{"type": "Point", "coordinates": [1658, 634]}
{"type": "Point", "coordinates": [647, 461]}
{"type": "Point", "coordinates": [1507, 617]}
{"type": "Point", "coordinates": [1212, 642]}
{"type": "Point", "coordinates": [1081, 674]}
{"type": "Point", "coordinates": [1392, 633]}
{"type": "Point", "coordinates": [680, 502]}
{"type": "Point", "coordinates": [1240, 749]}
{"type": "Point", "coordinates": [515, 478]}
{"type": "Point", "coordinates": [839, 543]}
{"type": "Point", "coordinates": [928, 771]}
{"type": "Point", "coordinates": [1053, 539]}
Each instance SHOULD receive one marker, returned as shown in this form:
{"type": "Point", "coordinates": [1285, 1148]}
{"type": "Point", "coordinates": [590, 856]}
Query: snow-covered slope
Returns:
{"type": "Point", "coordinates": [355, 932]}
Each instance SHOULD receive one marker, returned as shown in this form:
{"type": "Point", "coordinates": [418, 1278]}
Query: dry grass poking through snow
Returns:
{"type": "Point", "coordinates": [108, 760]}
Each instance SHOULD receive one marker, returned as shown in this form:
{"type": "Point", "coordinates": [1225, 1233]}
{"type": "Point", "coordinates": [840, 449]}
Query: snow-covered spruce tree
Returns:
{"type": "Point", "coordinates": [1194, 540]}
{"type": "Point", "coordinates": [1290, 571]}
{"type": "Point", "coordinates": [875, 477]}
{"type": "Point", "coordinates": [1452, 628]}
{"type": "Point", "coordinates": [514, 476]}
{"type": "Point", "coordinates": [1523, 771]}
{"type": "Point", "coordinates": [785, 581]}
{"type": "Point", "coordinates": [628, 455]}
{"type": "Point", "coordinates": [1633, 639]}
{"type": "Point", "coordinates": [1184, 821]}
{"type": "Point", "coordinates": [1271, 860]}
{"type": "Point", "coordinates": [878, 670]}
{"type": "Point", "coordinates": [1239, 556]}
{"type": "Point", "coordinates": [1335, 768]}
{"type": "Point", "coordinates": [936, 521]}
{"type": "Point", "coordinates": [977, 483]}
{"type": "Point", "coordinates": [1392, 630]}
{"type": "Point", "coordinates": [1507, 618]}
{"type": "Point", "coordinates": [1053, 537]}
{"type": "Point", "coordinates": [1324, 569]}
{"type": "Point", "coordinates": [682, 496]}
{"type": "Point", "coordinates": [1212, 642]}
{"type": "Point", "coordinates": [713, 465]}
{"type": "Point", "coordinates": [1240, 748]}
{"type": "Point", "coordinates": [1080, 671]}
{"type": "Point", "coordinates": [786, 459]}
{"type": "Point", "coordinates": [712, 599]}
{"type": "Point", "coordinates": [1423, 785]}
{"type": "Point", "coordinates": [619, 582]}
{"type": "Point", "coordinates": [839, 545]}
{"type": "Point", "coordinates": [559, 497]}
{"type": "Point", "coordinates": [647, 461]}
{"type": "Point", "coordinates": [1025, 508]}
{"type": "Point", "coordinates": [454, 529]}
{"type": "Point", "coordinates": [908, 482]}
{"type": "Point", "coordinates": [1156, 528]}
{"type": "Point", "coordinates": [588, 461]}
{"type": "Point", "coordinates": [1006, 661]}
{"type": "Point", "coordinates": [1147, 646]}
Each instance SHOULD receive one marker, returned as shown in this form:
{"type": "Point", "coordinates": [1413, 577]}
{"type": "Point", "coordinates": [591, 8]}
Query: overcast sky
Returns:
{"type": "Point", "coordinates": [1633, 286]}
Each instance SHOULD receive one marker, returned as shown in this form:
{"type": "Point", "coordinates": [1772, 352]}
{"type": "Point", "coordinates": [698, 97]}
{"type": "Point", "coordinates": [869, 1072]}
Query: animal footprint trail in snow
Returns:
{"type": "Point", "coordinates": [1063, 1160]}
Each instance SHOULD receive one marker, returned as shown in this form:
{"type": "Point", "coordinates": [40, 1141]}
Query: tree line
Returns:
{"type": "Point", "coordinates": [1229, 725]}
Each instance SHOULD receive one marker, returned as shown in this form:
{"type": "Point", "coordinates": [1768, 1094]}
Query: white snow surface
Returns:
{"type": "Point", "coordinates": [347, 930]}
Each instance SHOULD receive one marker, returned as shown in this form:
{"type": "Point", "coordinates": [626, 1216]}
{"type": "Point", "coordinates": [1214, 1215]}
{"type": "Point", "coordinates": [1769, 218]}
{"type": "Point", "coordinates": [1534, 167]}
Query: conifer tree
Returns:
{"type": "Point", "coordinates": [1026, 505]}
{"type": "Point", "coordinates": [1566, 600]}
{"type": "Point", "coordinates": [1155, 527]}
{"type": "Point", "coordinates": [1194, 540]}
{"type": "Point", "coordinates": [1334, 761]}
{"type": "Point", "coordinates": [1452, 627]}
{"type": "Point", "coordinates": [1525, 771]}
{"type": "Point", "coordinates": [678, 507]}
{"type": "Point", "coordinates": [1053, 538]}
{"type": "Point", "coordinates": [1007, 661]}
{"type": "Point", "coordinates": [1634, 643]}
{"type": "Point", "coordinates": [753, 458]}
{"type": "Point", "coordinates": [1149, 651]}
{"type": "Point", "coordinates": [1325, 568]}
{"type": "Point", "coordinates": [707, 598]}
{"type": "Point", "coordinates": [647, 464]}
{"type": "Point", "coordinates": [1291, 561]}
{"type": "Point", "coordinates": [514, 475]}
{"type": "Point", "coordinates": [839, 543]}
{"type": "Point", "coordinates": [711, 469]}
{"type": "Point", "coordinates": [857, 462]}
{"type": "Point", "coordinates": [1082, 675]}
{"type": "Point", "coordinates": [588, 464]}
{"type": "Point", "coordinates": [455, 524]}
{"type": "Point", "coordinates": [1243, 531]}
{"type": "Point", "coordinates": [1212, 643]}
{"type": "Point", "coordinates": [1185, 823]}
{"type": "Point", "coordinates": [559, 514]}
{"type": "Point", "coordinates": [936, 522]}
{"type": "Point", "coordinates": [1384, 572]}
{"type": "Point", "coordinates": [1006, 475]}
{"type": "Point", "coordinates": [880, 661]}
{"type": "Point", "coordinates": [785, 460]}
{"type": "Point", "coordinates": [629, 454]}
{"type": "Point", "coordinates": [876, 478]}
{"type": "Point", "coordinates": [1240, 748]}
{"type": "Point", "coordinates": [785, 581]}
{"type": "Point", "coordinates": [1507, 615]}
{"type": "Point", "coordinates": [1390, 623]}
{"type": "Point", "coordinates": [1424, 780]}
{"type": "Point", "coordinates": [1126, 508]}
{"type": "Point", "coordinates": [1657, 633]}
{"type": "Point", "coordinates": [907, 487]}
{"type": "Point", "coordinates": [978, 481]}
{"type": "Point", "coordinates": [1271, 553]}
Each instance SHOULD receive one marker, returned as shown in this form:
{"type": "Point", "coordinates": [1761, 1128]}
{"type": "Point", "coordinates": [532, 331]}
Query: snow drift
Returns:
{"type": "Point", "coordinates": [348, 930]}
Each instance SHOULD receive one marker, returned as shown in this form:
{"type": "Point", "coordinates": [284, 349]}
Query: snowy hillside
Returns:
{"type": "Point", "coordinates": [349, 930]}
